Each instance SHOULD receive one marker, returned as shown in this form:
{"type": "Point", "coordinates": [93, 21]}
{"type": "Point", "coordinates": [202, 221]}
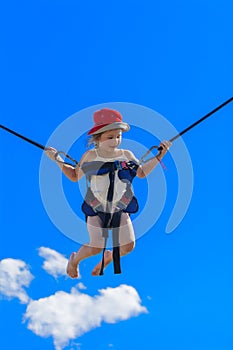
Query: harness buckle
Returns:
{"type": "Point", "coordinates": [120, 165]}
{"type": "Point", "coordinates": [124, 165]}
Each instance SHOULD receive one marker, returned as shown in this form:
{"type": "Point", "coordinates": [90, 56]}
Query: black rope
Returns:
{"type": "Point", "coordinates": [142, 159]}
{"type": "Point", "coordinates": [201, 119]}
{"type": "Point", "coordinates": [23, 137]}
{"type": "Point", "coordinates": [159, 148]}
{"type": "Point", "coordinates": [75, 162]}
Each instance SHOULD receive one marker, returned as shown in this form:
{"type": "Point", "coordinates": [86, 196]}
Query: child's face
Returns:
{"type": "Point", "coordinates": [110, 140]}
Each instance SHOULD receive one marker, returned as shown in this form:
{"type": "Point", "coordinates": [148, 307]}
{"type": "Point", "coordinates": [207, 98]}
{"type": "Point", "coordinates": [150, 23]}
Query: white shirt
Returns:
{"type": "Point", "coordinates": [100, 183]}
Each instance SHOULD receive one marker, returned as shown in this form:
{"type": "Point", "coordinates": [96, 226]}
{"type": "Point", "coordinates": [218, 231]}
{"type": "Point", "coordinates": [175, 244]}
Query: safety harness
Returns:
{"type": "Point", "coordinates": [126, 171]}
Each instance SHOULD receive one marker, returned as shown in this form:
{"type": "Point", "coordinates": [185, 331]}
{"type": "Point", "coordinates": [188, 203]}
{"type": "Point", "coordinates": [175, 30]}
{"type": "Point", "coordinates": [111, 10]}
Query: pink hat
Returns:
{"type": "Point", "coordinates": [107, 119]}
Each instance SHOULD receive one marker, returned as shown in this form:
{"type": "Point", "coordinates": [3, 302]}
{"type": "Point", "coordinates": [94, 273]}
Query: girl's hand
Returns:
{"type": "Point", "coordinates": [165, 147]}
{"type": "Point", "coordinates": [50, 152]}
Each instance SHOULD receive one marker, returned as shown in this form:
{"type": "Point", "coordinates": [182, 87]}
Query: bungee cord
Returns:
{"type": "Point", "coordinates": [188, 128]}
{"type": "Point", "coordinates": [75, 163]}
{"type": "Point", "coordinates": [39, 145]}
{"type": "Point", "coordinates": [23, 137]}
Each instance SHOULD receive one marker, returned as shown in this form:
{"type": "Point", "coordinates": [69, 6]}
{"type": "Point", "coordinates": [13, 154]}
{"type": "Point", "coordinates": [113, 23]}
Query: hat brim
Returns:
{"type": "Point", "coordinates": [117, 125]}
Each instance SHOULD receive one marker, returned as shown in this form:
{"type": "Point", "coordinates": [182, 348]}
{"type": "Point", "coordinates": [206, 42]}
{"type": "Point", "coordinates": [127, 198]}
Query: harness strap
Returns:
{"type": "Point", "coordinates": [105, 244]}
{"type": "Point", "coordinates": [111, 220]}
{"type": "Point", "coordinates": [116, 219]}
{"type": "Point", "coordinates": [101, 168]}
{"type": "Point", "coordinates": [115, 225]}
{"type": "Point", "coordinates": [114, 222]}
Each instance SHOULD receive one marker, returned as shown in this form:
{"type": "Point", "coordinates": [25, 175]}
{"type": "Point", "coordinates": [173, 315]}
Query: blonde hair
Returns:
{"type": "Point", "coordinates": [94, 140]}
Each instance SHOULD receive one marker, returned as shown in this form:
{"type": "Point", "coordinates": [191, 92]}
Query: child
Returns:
{"type": "Point", "coordinates": [110, 197]}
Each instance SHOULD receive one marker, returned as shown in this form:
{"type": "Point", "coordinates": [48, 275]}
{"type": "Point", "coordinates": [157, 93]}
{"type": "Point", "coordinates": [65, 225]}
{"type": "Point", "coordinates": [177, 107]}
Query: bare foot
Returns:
{"type": "Point", "coordinates": [72, 267]}
{"type": "Point", "coordinates": [107, 260]}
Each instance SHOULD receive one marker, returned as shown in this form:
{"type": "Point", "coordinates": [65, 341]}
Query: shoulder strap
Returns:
{"type": "Point", "coordinates": [115, 224]}
{"type": "Point", "coordinates": [96, 152]}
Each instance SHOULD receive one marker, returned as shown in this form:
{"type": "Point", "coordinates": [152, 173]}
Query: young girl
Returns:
{"type": "Point", "coordinates": [107, 196]}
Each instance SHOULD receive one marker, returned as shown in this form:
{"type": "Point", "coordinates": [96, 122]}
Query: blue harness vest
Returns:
{"type": "Point", "coordinates": [126, 171]}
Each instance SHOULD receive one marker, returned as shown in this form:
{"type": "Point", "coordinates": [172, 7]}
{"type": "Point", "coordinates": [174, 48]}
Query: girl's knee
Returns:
{"type": "Point", "coordinates": [127, 248]}
{"type": "Point", "coordinates": [95, 250]}
{"type": "Point", "coordinates": [130, 246]}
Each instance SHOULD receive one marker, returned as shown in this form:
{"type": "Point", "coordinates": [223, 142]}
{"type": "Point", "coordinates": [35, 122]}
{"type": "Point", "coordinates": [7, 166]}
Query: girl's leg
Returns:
{"type": "Point", "coordinates": [95, 246]}
{"type": "Point", "coordinates": [127, 242]}
{"type": "Point", "coordinates": [126, 235]}
{"type": "Point", "coordinates": [107, 260]}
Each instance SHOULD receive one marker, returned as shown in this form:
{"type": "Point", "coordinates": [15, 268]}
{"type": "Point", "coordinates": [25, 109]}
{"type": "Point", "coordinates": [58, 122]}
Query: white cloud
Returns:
{"type": "Point", "coordinates": [80, 285]}
{"type": "Point", "coordinates": [14, 275]}
{"type": "Point", "coordinates": [66, 316]}
{"type": "Point", "coordinates": [55, 263]}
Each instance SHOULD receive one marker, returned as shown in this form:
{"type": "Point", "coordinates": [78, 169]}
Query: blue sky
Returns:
{"type": "Point", "coordinates": [59, 58]}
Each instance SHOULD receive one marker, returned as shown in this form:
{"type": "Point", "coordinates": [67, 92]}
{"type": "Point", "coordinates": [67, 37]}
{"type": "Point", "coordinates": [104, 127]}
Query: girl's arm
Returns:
{"type": "Point", "coordinates": [145, 169]}
{"type": "Point", "coordinates": [73, 173]}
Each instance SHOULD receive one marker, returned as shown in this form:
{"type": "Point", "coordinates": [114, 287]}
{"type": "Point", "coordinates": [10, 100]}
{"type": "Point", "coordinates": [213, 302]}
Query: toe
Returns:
{"type": "Point", "coordinates": [71, 269]}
